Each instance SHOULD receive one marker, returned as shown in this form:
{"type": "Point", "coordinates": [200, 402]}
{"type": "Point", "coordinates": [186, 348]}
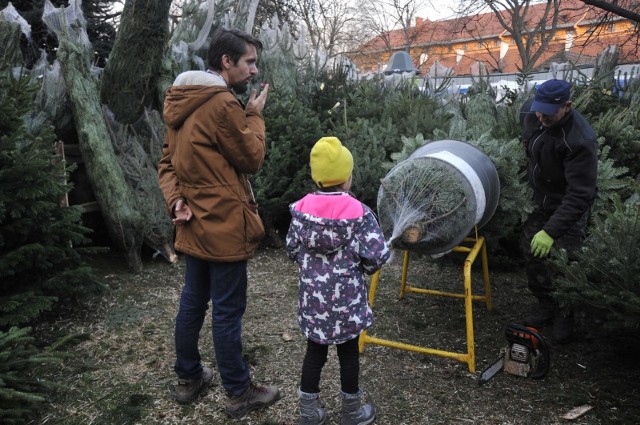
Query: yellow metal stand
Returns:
{"type": "Point", "coordinates": [478, 247]}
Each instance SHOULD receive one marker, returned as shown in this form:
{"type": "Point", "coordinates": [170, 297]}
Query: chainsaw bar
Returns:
{"type": "Point", "coordinates": [492, 370]}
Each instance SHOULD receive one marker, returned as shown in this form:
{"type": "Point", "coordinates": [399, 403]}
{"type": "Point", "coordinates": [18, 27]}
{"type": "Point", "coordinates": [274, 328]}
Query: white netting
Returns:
{"type": "Point", "coordinates": [561, 71]}
{"type": "Point", "coordinates": [10, 34]}
{"type": "Point", "coordinates": [41, 66]}
{"type": "Point", "coordinates": [438, 78]}
{"type": "Point", "coordinates": [191, 35]}
{"type": "Point", "coordinates": [52, 99]}
{"type": "Point", "coordinates": [300, 47]}
{"type": "Point", "coordinates": [203, 35]}
{"type": "Point", "coordinates": [426, 205]}
{"type": "Point", "coordinates": [251, 15]}
{"type": "Point", "coordinates": [240, 14]}
{"type": "Point", "coordinates": [69, 20]}
{"type": "Point", "coordinates": [36, 122]}
{"type": "Point", "coordinates": [395, 79]}
{"type": "Point", "coordinates": [182, 55]}
{"type": "Point", "coordinates": [607, 56]}
{"type": "Point", "coordinates": [479, 68]}
{"type": "Point", "coordinates": [281, 53]}
{"type": "Point", "coordinates": [437, 70]}
{"type": "Point", "coordinates": [10, 15]}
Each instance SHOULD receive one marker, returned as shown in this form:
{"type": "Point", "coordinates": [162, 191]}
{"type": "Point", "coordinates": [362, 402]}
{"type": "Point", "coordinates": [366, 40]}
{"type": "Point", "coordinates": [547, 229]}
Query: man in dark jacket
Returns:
{"type": "Point", "coordinates": [562, 168]}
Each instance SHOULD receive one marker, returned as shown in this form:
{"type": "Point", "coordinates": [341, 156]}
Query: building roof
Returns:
{"type": "Point", "coordinates": [479, 35]}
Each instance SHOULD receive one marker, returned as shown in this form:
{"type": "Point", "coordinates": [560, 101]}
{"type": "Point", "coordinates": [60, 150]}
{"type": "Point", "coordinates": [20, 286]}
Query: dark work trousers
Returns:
{"type": "Point", "coordinates": [539, 275]}
{"type": "Point", "coordinates": [316, 357]}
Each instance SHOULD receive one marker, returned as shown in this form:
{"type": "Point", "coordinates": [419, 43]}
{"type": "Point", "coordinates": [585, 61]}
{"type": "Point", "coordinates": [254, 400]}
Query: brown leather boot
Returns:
{"type": "Point", "coordinates": [254, 397]}
{"type": "Point", "coordinates": [189, 390]}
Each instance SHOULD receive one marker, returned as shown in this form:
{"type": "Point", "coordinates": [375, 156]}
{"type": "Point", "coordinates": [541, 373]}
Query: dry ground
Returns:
{"type": "Point", "coordinates": [120, 370]}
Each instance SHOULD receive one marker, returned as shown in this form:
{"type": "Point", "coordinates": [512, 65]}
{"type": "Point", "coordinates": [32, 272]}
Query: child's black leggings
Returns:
{"type": "Point", "coordinates": [316, 357]}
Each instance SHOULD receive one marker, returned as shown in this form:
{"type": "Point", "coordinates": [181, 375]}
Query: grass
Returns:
{"type": "Point", "coordinates": [120, 368]}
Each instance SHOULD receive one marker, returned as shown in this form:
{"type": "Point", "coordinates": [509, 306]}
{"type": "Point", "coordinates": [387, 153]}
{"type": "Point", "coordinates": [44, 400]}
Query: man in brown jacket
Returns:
{"type": "Point", "coordinates": [213, 142]}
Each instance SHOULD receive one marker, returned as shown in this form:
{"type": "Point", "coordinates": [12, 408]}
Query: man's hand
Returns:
{"type": "Point", "coordinates": [181, 212]}
{"type": "Point", "coordinates": [256, 103]}
{"type": "Point", "coordinates": [541, 244]}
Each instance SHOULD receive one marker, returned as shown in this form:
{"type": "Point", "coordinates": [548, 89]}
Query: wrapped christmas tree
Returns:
{"type": "Point", "coordinates": [432, 200]}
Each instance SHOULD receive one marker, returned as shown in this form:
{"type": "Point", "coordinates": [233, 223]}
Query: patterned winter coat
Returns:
{"type": "Point", "coordinates": [336, 240]}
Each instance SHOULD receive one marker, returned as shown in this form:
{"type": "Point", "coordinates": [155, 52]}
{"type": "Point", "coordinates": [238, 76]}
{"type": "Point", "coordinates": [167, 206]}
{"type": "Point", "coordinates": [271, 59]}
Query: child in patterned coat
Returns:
{"type": "Point", "coordinates": [336, 240]}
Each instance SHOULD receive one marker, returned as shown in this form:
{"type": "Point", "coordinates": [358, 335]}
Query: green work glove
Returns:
{"type": "Point", "coordinates": [541, 244]}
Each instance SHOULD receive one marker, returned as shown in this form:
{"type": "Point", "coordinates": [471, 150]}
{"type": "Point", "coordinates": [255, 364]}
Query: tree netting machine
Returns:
{"type": "Point", "coordinates": [433, 203]}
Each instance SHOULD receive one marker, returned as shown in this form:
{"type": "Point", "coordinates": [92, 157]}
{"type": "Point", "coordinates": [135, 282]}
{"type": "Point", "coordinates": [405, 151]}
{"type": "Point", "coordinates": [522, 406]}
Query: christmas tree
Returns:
{"type": "Point", "coordinates": [41, 245]}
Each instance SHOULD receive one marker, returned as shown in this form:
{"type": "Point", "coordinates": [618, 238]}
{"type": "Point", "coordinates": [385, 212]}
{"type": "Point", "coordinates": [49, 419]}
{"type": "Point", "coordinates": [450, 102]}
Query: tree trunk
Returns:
{"type": "Point", "coordinates": [124, 223]}
{"type": "Point", "coordinates": [129, 83]}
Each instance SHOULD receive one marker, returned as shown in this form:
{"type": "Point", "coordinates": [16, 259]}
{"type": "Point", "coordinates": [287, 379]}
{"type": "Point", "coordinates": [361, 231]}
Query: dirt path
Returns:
{"type": "Point", "coordinates": [121, 369]}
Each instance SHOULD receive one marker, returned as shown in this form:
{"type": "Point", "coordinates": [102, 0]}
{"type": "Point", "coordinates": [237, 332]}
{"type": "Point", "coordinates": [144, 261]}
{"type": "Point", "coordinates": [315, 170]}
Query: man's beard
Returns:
{"type": "Point", "coordinates": [240, 88]}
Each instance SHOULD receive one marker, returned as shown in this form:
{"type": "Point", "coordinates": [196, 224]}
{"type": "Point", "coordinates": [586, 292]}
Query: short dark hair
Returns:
{"type": "Point", "coordinates": [232, 42]}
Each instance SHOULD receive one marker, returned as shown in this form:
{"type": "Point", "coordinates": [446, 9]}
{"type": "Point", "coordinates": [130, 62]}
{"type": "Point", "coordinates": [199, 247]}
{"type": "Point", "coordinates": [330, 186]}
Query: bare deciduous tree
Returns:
{"type": "Point", "coordinates": [531, 33]}
{"type": "Point", "coordinates": [626, 9]}
{"type": "Point", "coordinates": [384, 16]}
{"type": "Point", "coordinates": [329, 24]}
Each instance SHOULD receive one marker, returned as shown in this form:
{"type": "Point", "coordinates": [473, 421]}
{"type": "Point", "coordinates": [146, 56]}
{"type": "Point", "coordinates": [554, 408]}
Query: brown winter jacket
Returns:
{"type": "Point", "coordinates": [211, 144]}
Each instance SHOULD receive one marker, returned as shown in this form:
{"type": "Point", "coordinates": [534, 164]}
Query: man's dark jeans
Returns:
{"type": "Point", "coordinates": [225, 284]}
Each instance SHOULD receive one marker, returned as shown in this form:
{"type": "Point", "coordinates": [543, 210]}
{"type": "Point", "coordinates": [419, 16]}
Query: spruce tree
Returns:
{"type": "Point", "coordinates": [21, 391]}
{"type": "Point", "coordinates": [41, 252]}
{"type": "Point", "coordinates": [41, 258]}
{"type": "Point", "coordinates": [602, 278]}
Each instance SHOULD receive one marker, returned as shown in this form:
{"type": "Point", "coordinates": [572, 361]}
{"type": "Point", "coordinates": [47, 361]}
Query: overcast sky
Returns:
{"type": "Point", "coordinates": [444, 9]}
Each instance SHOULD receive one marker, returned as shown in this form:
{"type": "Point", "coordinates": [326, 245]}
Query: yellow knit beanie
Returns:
{"type": "Point", "coordinates": [331, 163]}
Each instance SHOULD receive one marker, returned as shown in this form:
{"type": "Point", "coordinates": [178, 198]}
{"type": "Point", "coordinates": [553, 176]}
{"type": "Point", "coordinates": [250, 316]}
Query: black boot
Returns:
{"type": "Point", "coordinates": [540, 314]}
{"type": "Point", "coordinates": [562, 331]}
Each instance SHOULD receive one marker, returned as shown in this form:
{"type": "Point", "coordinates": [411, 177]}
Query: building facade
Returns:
{"type": "Point", "coordinates": [480, 44]}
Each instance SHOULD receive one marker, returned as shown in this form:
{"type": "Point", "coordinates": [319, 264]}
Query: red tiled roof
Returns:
{"type": "Point", "coordinates": [429, 36]}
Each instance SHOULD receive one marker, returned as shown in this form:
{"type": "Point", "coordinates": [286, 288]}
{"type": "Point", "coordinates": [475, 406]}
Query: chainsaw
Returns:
{"type": "Point", "coordinates": [527, 355]}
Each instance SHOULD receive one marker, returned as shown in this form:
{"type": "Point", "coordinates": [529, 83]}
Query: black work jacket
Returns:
{"type": "Point", "coordinates": [562, 167]}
